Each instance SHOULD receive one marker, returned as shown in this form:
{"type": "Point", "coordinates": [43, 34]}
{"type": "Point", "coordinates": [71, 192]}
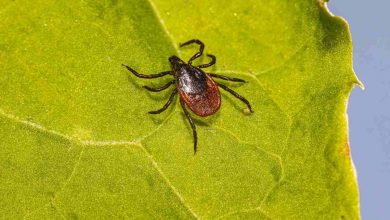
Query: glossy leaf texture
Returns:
{"type": "Point", "coordinates": [77, 142]}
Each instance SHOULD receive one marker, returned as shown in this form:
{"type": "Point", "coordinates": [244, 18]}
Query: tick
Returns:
{"type": "Point", "coordinates": [197, 89]}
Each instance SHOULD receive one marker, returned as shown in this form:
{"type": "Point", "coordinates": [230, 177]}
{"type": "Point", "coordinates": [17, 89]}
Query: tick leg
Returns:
{"type": "Point", "coordinates": [150, 76]}
{"type": "Point", "coordinates": [188, 116]}
{"type": "Point", "coordinates": [160, 88]}
{"type": "Point", "coordinates": [226, 77]}
{"type": "Point", "coordinates": [199, 53]}
{"type": "Point", "coordinates": [235, 94]}
{"type": "Point", "coordinates": [212, 62]}
{"type": "Point", "coordinates": [166, 104]}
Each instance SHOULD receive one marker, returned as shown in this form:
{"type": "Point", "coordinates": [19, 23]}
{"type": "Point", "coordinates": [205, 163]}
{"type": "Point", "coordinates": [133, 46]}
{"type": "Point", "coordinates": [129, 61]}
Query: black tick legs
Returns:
{"type": "Point", "coordinates": [226, 78]}
{"type": "Point", "coordinates": [212, 62]}
{"type": "Point", "coordinates": [188, 116]}
{"type": "Point", "coordinates": [235, 94]}
{"type": "Point", "coordinates": [166, 104]}
{"type": "Point", "coordinates": [151, 76]}
{"type": "Point", "coordinates": [160, 88]}
{"type": "Point", "coordinates": [199, 53]}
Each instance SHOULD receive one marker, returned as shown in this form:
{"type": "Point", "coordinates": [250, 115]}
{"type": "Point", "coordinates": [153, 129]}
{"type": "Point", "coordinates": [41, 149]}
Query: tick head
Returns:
{"type": "Point", "coordinates": [176, 62]}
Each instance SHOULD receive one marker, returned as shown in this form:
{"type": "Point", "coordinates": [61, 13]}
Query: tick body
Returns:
{"type": "Point", "coordinates": [197, 89]}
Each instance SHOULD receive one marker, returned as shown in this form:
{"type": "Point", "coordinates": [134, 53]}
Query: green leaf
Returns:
{"type": "Point", "coordinates": [77, 142]}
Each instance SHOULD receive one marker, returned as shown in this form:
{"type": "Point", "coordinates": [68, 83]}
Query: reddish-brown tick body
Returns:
{"type": "Point", "coordinates": [197, 90]}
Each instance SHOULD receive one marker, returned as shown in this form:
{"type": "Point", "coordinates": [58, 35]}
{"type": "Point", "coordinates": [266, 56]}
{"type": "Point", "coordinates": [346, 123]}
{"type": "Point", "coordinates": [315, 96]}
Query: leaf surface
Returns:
{"type": "Point", "coordinates": [77, 141]}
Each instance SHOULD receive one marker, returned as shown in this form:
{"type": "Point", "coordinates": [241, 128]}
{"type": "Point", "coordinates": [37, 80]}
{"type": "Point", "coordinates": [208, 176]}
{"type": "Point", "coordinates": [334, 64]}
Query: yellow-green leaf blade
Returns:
{"type": "Point", "coordinates": [76, 126]}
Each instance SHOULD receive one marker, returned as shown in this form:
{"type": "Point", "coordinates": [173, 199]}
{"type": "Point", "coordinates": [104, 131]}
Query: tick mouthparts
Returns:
{"type": "Point", "coordinates": [175, 59]}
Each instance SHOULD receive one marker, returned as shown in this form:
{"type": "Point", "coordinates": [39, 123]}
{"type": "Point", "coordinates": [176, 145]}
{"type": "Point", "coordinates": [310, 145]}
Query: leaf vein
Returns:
{"type": "Point", "coordinates": [168, 182]}
{"type": "Point", "coordinates": [34, 125]}
{"type": "Point", "coordinates": [70, 138]}
{"type": "Point", "coordinates": [163, 26]}
{"type": "Point", "coordinates": [156, 129]}
{"type": "Point", "coordinates": [259, 84]}
{"type": "Point", "coordinates": [278, 158]}
{"type": "Point", "coordinates": [246, 211]}
{"type": "Point", "coordinates": [290, 58]}
{"type": "Point", "coordinates": [66, 182]}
